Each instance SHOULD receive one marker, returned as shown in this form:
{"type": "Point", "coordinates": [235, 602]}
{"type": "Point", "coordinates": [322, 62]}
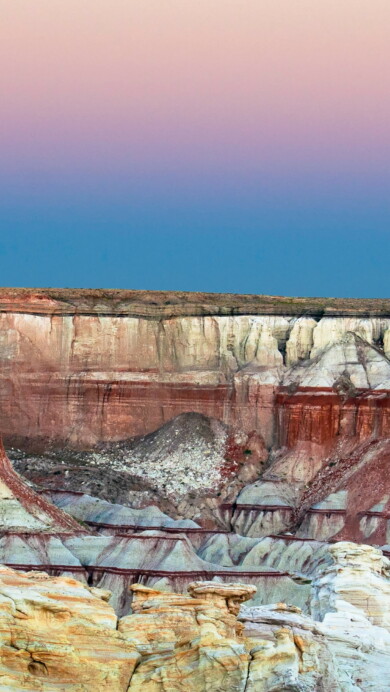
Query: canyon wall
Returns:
{"type": "Point", "coordinates": [225, 395]}
{"type": "Point", "coordinates": [57, 633]}
{"type": "Point", "coordinates": [229, 446]}
{"type": "Point", "coordinates": [79, 368]}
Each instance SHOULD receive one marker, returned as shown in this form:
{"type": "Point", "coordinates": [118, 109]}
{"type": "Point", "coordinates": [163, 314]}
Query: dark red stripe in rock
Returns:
{"type": "Point", "coordinates": [264, 508]}
{"type": "Point", "coordinates": [147, 572]}
{"type": "Point", "coordinates": [31, 501]}
{"type": "Point", "coordinates": [46, 568]}
{"type": "Point", "coordinates": [284, 537]}
{"type": "Point", "coordinates": [320, 415]}
{"type": "Point", "coordinates": [167, 529]}
{"type": "Point", "coordinates": [77, 493]}
{"type": "Point", "coordinates": [384, 515]}
{"type": "Point", "coordinates": [326, 511]}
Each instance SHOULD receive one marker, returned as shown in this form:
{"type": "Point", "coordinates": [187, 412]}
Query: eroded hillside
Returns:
{"type": "Point", "coordinates": [167, 439]}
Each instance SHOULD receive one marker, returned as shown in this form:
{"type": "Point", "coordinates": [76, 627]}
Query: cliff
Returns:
{"type": "Point", "coordinates": [182, 400]}
{"type": "Point", "coordinates": [60, 634]}
{"type": "Point", "coordinates": [119, 364]}
{"type": "Point", "coordinates": [228, 445]}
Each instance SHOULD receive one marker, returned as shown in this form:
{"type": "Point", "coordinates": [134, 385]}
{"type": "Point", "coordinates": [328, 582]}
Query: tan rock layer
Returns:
{"type": "Point", "coordinates": [158, 303]}
{"type": "Point", "coordinates": [57, 634]}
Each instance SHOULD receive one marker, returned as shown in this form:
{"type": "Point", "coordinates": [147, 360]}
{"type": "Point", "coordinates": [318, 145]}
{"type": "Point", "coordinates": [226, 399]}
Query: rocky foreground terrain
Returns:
{"type": "Point", "coordinates": [59, 634]}
{"type": "Point", "coordinates": [170, 456]}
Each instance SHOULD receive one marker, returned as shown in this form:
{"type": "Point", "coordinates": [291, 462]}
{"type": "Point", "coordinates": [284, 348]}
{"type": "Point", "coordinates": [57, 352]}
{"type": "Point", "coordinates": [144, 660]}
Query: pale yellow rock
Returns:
{"type": "Point", "coordinates": [274, 663]}
{"type": "Point", "coordinates": [57, 634]}
{"type": "Point", "coordinates": [356, 583]}
{"type": "Point", "coordinates": [345, 648]}
{"type": "Point", "coordinates": [386, 343]}
{"type": "Point", "coordinates": [300, 341]}
{"type": "Point", "coordinates": [223, 595]}
{"type": "Point", "coordinates": [188, 643]}
{"type": "Point", "coordinates": [288, 651]}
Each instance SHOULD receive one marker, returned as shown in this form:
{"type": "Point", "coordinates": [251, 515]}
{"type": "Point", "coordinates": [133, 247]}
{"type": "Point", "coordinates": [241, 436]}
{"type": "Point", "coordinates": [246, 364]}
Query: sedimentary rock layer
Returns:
{"type": "Point", "coordinates": [172, 438]}
{"type": "Point", "coordinates": [23, 510]}
{"type": "Point", "coordinates": [60, 634]}
{"type": "Point", "coordinates": [176, 303]}
{"type": "Point", "coordinates": [83, 367]}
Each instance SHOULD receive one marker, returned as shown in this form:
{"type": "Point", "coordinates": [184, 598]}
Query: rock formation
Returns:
{"type": "Point", "coordinates": [304, 383]}
{"type": "Point", "coordinates": [21, 509]}
{"type": "Point", "coordinates": [232, 446]}
{"type": "Point", "coordinates": [120, 364]}
{"type": "Point", "coordinates": [116, 560]}
{"type": "Point", "coordinates": [189, 465]}
{"type": "Point", "coordinates": [57, 633]}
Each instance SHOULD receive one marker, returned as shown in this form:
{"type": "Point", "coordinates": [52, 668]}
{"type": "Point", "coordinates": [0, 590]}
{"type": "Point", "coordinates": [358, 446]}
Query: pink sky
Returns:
{"type": "Point", "coordinates": [199, 85]}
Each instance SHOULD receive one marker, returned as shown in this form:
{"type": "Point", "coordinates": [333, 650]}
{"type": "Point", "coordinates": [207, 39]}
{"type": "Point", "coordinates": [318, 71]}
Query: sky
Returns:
{"type": "Point", "coordinates": [200, 145]}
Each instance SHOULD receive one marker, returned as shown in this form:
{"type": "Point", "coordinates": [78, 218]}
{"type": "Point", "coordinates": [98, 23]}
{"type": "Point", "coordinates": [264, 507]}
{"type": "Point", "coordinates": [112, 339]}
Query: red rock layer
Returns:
{"type": "Point", "coordinates": [321, 415]}
{"type": "Point", "coordinates": [34, 503]}
{"type": "Point", "coordinates": [363, 472]}
{"type": "Point", "coordinates": [78, 412]}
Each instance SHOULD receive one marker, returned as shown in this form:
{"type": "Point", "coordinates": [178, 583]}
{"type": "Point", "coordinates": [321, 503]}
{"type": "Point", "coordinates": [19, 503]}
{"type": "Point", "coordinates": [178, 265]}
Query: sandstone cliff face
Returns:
{"type": "Point", "coordinates": [117, 369]}
{"type": "Point", "coordinates": [59, 634]}
{"type": "Point", "coordinates": [189, 642]}
{"type": "Point", "coordinates": [303, 382]}
{"type": "Point", "coordinates": [175, 438]}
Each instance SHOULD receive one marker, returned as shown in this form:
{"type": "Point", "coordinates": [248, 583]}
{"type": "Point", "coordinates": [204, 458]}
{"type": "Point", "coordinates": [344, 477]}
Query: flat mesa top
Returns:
{"type": "Point", "coordinates": [166, 304]}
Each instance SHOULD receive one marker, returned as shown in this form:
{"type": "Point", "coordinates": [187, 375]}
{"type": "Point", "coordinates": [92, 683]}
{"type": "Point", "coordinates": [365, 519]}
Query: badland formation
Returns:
{"type": "Point", "coordinates": [194, 492]}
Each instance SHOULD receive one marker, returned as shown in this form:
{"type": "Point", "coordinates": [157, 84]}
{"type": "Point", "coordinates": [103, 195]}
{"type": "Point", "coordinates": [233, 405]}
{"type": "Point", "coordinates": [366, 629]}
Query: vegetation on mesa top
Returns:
{"type": "Point", "coordinates": [151, 304]}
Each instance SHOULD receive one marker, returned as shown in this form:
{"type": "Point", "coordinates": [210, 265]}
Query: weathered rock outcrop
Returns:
{"type": "Point", "coordinates": [119, 364]}
{"type": "Point", "coordinates": [115, 518]}
{"type": "Point", "coordinates": [173, 438]}
{"type": "Point", "coordinates": [57, 634]}
{"type": "Point", "coordinates": [21, 509]}
{"type": "Point", "coordinates": [87, 368]}
{"type": "Point", "coordinates": [166, 558]}
{"type": "Point", "coordinates": [189, 643]}
{"type": "Point", "coordinates": [60, 634]}
{"type": "Point", "coordinates": [188, 467]}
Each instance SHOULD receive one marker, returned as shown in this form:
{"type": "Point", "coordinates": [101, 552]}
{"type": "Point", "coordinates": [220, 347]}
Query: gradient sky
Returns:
{"type": "Point", "coordinates": [216, 145]}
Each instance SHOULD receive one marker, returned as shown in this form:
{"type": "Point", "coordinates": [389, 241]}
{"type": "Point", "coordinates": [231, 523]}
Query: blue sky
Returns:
{"type": "Point", "coordinates": [200, 146]}
{"type": "Point", "coordinates": [197, 245]}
